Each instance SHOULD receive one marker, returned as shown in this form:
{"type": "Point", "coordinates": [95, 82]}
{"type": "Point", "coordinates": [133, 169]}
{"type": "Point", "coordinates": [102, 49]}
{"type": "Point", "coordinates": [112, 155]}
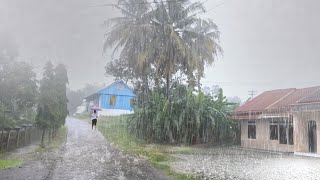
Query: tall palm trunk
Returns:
{"type": "Point", "coordinates": [198, 82]}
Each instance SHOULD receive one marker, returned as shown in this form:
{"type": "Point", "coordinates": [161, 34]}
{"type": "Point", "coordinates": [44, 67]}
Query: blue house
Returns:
{"type": "Point", "coordinates": [115, 99]}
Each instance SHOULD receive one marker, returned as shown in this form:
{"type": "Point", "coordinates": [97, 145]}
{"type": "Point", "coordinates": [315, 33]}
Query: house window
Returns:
{"type": "Point", "coordinates": [131, 102]}
{"type": "Point", "coordinates": [113, 100]}
{"type": "Point", "coordinates": [286, 132]}
{"type": "Point", "coordinates": [274, 130]}
{"type": "Point", "coordinates": [252, 129]}
{"type": "Point", "coordinates": [290, 133]}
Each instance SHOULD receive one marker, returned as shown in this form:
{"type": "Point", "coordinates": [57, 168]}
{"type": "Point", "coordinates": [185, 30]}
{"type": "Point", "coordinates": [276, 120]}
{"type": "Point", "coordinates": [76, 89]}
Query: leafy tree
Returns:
{"type": "Point", "coordinates": [207, 34]}
{"type": "Point", "coordinates": [52, 106]}
{"type": "Point", "coordinates": [121, 70]}
{"type": "Point", "coordinates": [48, 101]}
{"type": "Point", "coordinates": [18, 87]}
{"type": "Point", "coordinates": [61, 81]}
{"type": "Point", "coordinates": [165, 38]}
{"type": "Point", "coordinates": [164, 47]}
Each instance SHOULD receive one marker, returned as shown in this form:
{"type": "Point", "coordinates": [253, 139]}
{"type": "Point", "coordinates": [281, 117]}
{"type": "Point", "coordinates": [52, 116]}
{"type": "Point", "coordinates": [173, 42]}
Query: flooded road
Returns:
{"type": "Point", "coordinates": [86, 155]}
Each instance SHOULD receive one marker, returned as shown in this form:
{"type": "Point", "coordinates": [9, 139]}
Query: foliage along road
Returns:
{"type": "Point", "coordinates": [86, 155]}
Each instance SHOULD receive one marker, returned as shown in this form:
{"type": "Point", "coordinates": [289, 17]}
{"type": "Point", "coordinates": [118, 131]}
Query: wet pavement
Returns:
{"type": "Point", "coordinates": [86, 155]}
{"type": "Point", "coordinates": [234, 163]}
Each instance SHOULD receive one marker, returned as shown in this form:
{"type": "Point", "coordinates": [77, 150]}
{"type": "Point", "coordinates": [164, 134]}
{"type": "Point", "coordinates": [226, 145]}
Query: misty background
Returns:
{"type": "Point", "coordinates": [267, 44]}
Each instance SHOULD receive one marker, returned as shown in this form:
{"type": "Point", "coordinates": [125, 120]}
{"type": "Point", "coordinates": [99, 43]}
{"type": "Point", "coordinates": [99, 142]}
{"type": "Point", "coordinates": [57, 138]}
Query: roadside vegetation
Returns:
{"type": "Point", "coordinates": [10, 160]}
{"type": "Point", "coordinates": [115, 131]}
{"type": "Point", "coordinates": [9, 163]}
{"type": "Point", "coordinates": [27, 100]}
{"type": "Point", "coordinates": [163, 49]}
{"type": "Point", "coordinates": [57, 142]}
{"type": "Point", "coordinates": [52, 108]}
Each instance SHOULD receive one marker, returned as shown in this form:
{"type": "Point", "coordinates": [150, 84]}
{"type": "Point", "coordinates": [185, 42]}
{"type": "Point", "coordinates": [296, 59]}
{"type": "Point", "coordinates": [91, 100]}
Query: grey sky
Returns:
{"type": "Point", "coordinates": [267, 44]}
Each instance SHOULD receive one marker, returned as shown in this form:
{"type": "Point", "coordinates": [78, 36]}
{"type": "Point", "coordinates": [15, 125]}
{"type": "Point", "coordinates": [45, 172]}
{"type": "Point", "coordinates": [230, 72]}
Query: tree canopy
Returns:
{"type": "Point", "coordinates": [19, 91]}
{"type": "Point", "coordinates": [163, 48]}
{"type": "Point", "coordinates": [162, 38]}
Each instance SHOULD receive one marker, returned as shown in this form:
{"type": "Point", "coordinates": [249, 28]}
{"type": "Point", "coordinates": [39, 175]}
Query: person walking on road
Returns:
{"type": "Point", "coordinates": [94, 119]}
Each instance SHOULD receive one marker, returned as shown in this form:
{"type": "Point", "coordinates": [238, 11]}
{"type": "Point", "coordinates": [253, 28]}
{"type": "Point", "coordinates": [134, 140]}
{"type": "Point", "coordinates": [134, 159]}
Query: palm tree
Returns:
{"type": "Point", "coordinates": [165, 38]}
{"type": "Point", "coordinates": [168, 35]}
{"type": "Point", "coordinates": [204, 37]}
{"type": "Point", "coordinates": [129, 33]}
{"type": "Point", "coordinates": [170, 21]}
{"type": "Point", "coordinates": [183, 41]}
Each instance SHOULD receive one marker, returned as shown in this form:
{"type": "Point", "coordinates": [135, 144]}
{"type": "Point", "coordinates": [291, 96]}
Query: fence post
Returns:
{"type": "Point", "coordinates": [18, 135]}
{"type": "Point", "coordinates": [1, 142]}
{"type": "Point", "coordinates": [25, 134]}
{"type": "Point", "coordinates": [8, 140]}
{"type": "Point", "coordinates": [29, 134]}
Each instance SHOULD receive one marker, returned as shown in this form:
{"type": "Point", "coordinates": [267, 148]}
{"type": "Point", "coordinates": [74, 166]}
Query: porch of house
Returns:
{"type": "Point", "coordinates": [296, 135]}
{"type": "Point", "coordinates": [114, 112]}
{"type": "Point", "coordinates": [274, 134]}
{"type": "Point", "coordinates": [307, 132]}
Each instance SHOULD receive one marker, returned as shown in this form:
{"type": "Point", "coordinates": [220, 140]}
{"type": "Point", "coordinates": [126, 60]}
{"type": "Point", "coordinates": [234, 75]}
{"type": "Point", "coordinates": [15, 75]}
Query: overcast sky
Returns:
{"type": "Point", "coordinates": [268, 44]}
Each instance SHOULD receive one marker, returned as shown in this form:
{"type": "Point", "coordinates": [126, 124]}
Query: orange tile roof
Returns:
{"type": "Point", "coordinates": [264, 100]}
{"type": "Point", "coordinates": [294, 97]}
{"type": "Point", "coordinates": [279, 99]}
{"type": "Point", "coordinates": [314, 97]}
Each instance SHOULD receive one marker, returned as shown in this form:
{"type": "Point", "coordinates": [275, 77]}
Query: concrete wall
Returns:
{"type": "Point", "coordinates": [113, 112]}
{"type": "Point", "coordinates": [301, 140]}
{"type": "Point", "coordinates": [262, 140]}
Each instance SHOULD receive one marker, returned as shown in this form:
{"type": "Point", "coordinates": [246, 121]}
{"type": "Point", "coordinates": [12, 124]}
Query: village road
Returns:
{"type": "Point", "coordinates": [86, 155]}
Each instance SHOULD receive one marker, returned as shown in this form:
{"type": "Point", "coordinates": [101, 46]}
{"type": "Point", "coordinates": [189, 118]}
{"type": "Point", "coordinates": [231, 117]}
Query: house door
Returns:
{"type": "Point", "coordinates": [312, 136]}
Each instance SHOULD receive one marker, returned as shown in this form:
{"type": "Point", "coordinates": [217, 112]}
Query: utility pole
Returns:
{"type": "Point", "coordinates": [252, 93]}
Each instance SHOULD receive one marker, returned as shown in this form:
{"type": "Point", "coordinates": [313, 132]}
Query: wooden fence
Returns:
{"type": "Point", "coordinates": [12, 138]}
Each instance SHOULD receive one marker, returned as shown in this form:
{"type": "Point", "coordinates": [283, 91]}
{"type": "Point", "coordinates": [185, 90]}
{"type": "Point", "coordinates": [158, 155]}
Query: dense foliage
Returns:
{"type": "Point", "coordinates": [186, 117]}
{"type": "Point", "coordinates": [22, 101]}
{"type": "Point", "coordinates": [19, 92]}
{"type": "Point", "coordinates": [52, 107]}
{"type": "Point", "coordinates": [18, 87]}
{"type": "Point", "coordinates": [164, 47]}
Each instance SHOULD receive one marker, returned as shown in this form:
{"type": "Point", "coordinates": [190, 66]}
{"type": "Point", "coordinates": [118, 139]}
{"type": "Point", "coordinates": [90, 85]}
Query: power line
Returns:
{"type": "Point", "coordinates": [154, 2]}
{"type": "Point", "coordinates": [121, 4]}
{"type": "Point", "coordinates": [221, 3]}
{"type": "Point", "coordinates": [252, 93]}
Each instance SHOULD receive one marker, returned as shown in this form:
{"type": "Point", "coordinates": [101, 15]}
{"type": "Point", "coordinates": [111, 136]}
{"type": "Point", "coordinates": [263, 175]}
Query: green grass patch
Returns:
{"type": "Point", "coordinates": [9, 163]}
{"type": "Point", "coordinates": [114, 129]}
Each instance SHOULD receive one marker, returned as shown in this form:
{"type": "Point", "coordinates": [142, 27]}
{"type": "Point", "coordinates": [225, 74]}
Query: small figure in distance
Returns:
{"type": "Point", "coordinates": [94, 118]}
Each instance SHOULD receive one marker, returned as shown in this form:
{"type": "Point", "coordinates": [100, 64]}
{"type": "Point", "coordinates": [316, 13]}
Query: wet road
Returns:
{"type": "Point", "coordinates": [233, 163]}
{"type": "Point", "coordinates": [86, 155]}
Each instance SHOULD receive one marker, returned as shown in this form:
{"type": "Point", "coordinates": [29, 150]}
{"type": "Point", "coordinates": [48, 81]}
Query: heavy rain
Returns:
{"type": "Point", "coordinates": [159, 89]}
